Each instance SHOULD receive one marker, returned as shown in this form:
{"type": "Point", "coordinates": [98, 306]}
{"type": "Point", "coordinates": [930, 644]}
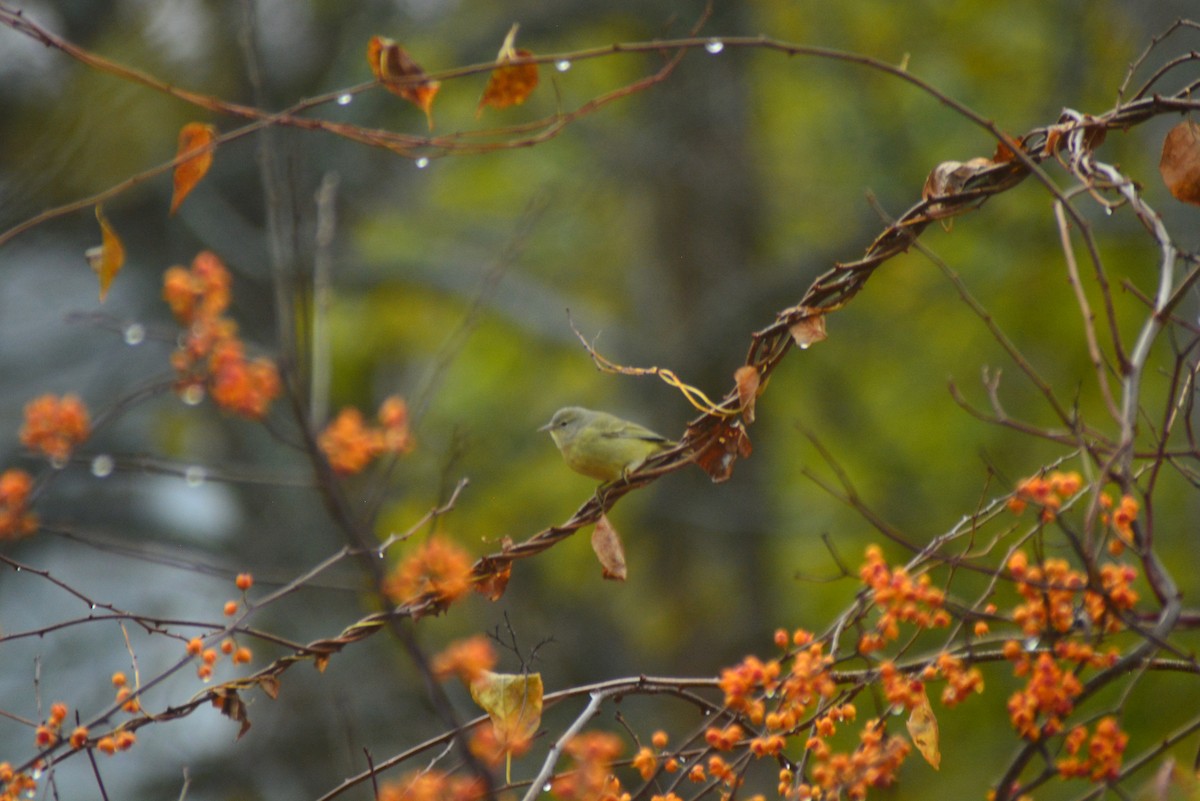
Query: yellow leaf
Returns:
{"type": "Point", "coordinates": [923, 728]}
{"type": "Point", "coordinates": [107, 258]}
{"type": "Point", "coordinates": [194, 136]}
{"type": "Point", "coordinates": [606, 542]}
{"type": "Point", "coordinates": [513, 702]}
{"type": "Point", "coordinates": [510, 84]}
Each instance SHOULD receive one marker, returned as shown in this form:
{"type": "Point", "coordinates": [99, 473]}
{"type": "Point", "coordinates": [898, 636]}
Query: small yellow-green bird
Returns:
{"type": "Point", "coordinates": [600, 445]}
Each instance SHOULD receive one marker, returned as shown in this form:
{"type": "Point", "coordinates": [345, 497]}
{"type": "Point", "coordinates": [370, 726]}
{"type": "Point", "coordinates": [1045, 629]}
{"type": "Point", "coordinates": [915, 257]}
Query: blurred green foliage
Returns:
{"type": "Point", "coordinates": [671, 225]}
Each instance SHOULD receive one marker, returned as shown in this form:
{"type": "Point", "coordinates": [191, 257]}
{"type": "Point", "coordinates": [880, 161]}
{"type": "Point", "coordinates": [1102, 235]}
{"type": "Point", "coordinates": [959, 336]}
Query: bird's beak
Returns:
{"type": "Point", "coordinates": [545, 427]}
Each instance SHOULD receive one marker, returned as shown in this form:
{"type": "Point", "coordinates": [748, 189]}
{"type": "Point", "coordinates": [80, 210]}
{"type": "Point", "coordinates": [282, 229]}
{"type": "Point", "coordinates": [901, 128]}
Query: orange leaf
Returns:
{"type": "Point", "coordinates": [808, 330]}
{"type": "Point", "coordinates": [494, 581]}
{"type": "Point", "coordinates": [721, 448]}
{"type": "Point", "coordinates": [513, 702]}
{"type": "Point", "coordinates": [606, 542]}
{"type": "Point", "coordinates": [923, 728]}
{"type": "Point", "coordinates": [1180, 163]}
{"type": "Point", "coordinates": [195, 136]}
{"type": "Point", "coordinates": [746, 377]}
{"type": "Point", "coordinates": [106, 258]}
{"type": "Point", "coordinates": [401, 75]}
{"type": "Point", "coordinates": [510, 83]}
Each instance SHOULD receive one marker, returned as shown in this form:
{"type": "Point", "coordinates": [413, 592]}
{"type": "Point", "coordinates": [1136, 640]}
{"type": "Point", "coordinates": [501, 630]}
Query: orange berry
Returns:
{"type": "Point", "coordinates": [981, 628]}
{"type": "Point", "coordinates": [244, 581]}
{"type": "Point", "coordinates": [125, 740]}
{"type": "Point", "coordinates": [118, 679]}
{"type": "Point", "coordinates": [107, 745]}
{"type": "Point", "coordinates": [209, 656]}
{"type": "Point", "coordinates": [242, 656]}
{"type": "Point", "coordinates": [227, 647]}
{"type": "Point", "coordinates": [696, 774]}
{"type": "Point", "coordinates": [45, 736]}
{"type": "Point", "coordinates": [79, 737]}
{"type": "Point", "coordinates": [659, 739]}
{"type": "Point", "coordinates": [671, 765]}
{"type": "Point", "coordinates": [781, 638]}
{"type": "Point", "coordinates": [195, 646]}
{"type": "Point", "coordinates": [58, 711]}
{"type": "Point", "coordinates": [231, 608]}
{"type": "Point", "coordinates": [204, 672]}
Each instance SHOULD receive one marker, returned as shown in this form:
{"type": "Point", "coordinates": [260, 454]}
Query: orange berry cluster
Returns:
{"type": "Point", "coordinates": [211, 354]}
{"type": "Point", "coordinates": [350, 445]}
{"type": "Point", "coordinates": [14, 785]}
{"type": "Point", "coordinates": [48, 733]}
{"type": "Point", "coordinates": [1046, 492]}
{"type": "Point", "coordinates": [55, 426]}
{"type": "Point", "coordinates": [1122, 519]}
{"type": "Point", "coordinates": [1048, 696]}
{"type": "Point", "coordinates": [431, 785]}
{"type": "Point", "coordinates": [1053, 589]}
{"type": "Point", "coordinates": [439, 567]}
{"type": "Point", "coordinates": [961, 681]}
{"type": "Point", "coordinates": [900, 599]}
{"type": "Point", "coordinates": [16, 520]}
{"type": "Point", "coordinates": [592, 779]}
{"type": "Point", "coordinates": [1102, 761]}
{"type": "Point", "coordinates": [467, 659]}
{"type": "Point", "coordinates": [872, 764]}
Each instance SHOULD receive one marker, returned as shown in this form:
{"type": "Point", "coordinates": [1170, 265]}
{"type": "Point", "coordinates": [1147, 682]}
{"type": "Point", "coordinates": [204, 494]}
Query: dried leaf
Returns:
{"type": "Point", "coordinates": [722, 448]}
{"type": "Point", "coordinates": [510, 84]}
{"type": "Point", "coordinates": [606, 542]}
{"type": "Point", "coordinates": [494, 581]}
{"type": "Point", "coordinates": [270, 686]}
{"type": "Point", "coordinates": [401, 75]}
{"type": "Point", "coordinates": [923, 728]}
{"type": "Point", "coordinates": [809, 330]}
{"type": "Point", "coordinates": [233, 707]}
{"type": "Point", "coordinates": [193, 136]}
{"type": "Point", "coordinates": [746, 377]}
{"type": "Point", "coordinates": [1180, 162]}
{"type": "Point", "coordinates": [321, 662]}
{"type": "Point", "coordinates": [513, 702]}
{"type": "Point", "coordinates": [106, 258]}
{"type": "Point", "coordinates": [949, 177]}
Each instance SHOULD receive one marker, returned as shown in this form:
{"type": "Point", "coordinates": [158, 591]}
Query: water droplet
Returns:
{"type": "Point", "coordinates": [102, 466]}
{"type": "Point", "coordinates": [58, 462]}
{"type": "Point", "coordinates": [1031, 644]}
{"type": "Point", "coordinates": [195, 475]}
{"type": "Point", "coordinates": [422, 163]}
{"type": "Point", "coordinates": [91, 606]}
{"type": "Point", "coordinates": [714, 46]}
{"type": "Point", "coordinates": [562, 66]}
{"type": "Point", "coordinates": [344, 100]}
{"type": "Point", "coordinates": [17, 569]}
{"type": "Point", "coordinates": [1108, 210]}
{"type": "Point", "coordinates": [546, 787]}
{"type": "Point", "coordinates": [192, 394]}
{"type": "Point", "coordinates": [135, 334]}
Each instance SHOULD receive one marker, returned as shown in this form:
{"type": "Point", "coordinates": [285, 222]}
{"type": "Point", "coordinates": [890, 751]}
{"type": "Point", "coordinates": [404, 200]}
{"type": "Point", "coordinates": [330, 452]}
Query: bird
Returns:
{"type": "Point", "coordinates": [601, 445]}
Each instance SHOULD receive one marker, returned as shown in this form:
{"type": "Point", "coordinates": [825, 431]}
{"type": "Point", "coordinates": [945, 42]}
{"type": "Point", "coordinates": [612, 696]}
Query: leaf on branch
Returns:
{"type": "Point", "coordinates": [270, 686]}
{"type": "Point", "coordinates": [401, 75]}
{"type": "Point", "coordinates": [106, 258]}
{"type": "Point", "coordinates": [606, 542]}
{"type": "Point", "coordinates": [513, 702]}
{"type": "Point", "coordinates": [721, 447]}
{"type": "Point", "coordinates": [809, 330]}
{"type": "Point", "coordinates": [510, 84]}
{"type": "Point", "coordinates": [923, 728]}
{"type": "Point", "coordinates": [494, 581]}
{"type": "Point", "coordinates": [950, 177]}
{"type": "Point", "coordinates": [747, 380]}
{"type": "Point", "coordinates": [195, 136]}
{"type": "Point", "coordinates": [231, 706]}
{"type": "Point", "coordinates": [1180, 162]}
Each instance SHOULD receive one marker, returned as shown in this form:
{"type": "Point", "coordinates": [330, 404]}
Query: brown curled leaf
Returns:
{"type": "Point", "coordinates": [510, 84]}
{"type": "Point", "coordinates": [1180, 162]}
{"type": "Point", "coordinates": [195, 136]}
{"type": "Point", "coordinates": [606, 542]}
{"type": "Point", "coordinates": [401, 75]}
{"type": "Point", "coordinates": [747, 380]}
{"type": "Point", "coordinates": [720, 447]}
{"type": "Point", "coordinates": [809, 330]}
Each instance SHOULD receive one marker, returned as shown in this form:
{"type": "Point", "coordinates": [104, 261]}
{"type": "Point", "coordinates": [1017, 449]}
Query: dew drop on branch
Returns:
{"type": "Point", "coordinates": [714, 46]}
{"type": "Point", "coordinates": [344, 100]}
{"type": "Point", "coordinates": [194, 476]}
{"type": "Point", "coordinates": [563, 65]}
{"type": "Point", "coordinates": [135, 334]}
{"type": "Point", "coordinates": [102, 466]}
{"type": "Point", "coordinates": [422, 163]}
{"type": "Point", "coordinates": [192, 394]}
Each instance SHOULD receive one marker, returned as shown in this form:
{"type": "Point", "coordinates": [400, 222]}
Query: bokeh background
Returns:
{"type": "Point", "coordinates": [670, 224]}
